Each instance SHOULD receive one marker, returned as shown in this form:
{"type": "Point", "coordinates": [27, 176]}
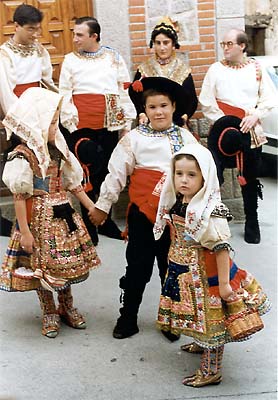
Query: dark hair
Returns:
{"type": "Point", "coordinates": [242, 38]}
{"type": "Point", "coordinates": [189, 157]}
{"type": "Point", "coordinates": [92, 24]}
{"type": "Point", "coordinates": [26, 14]}
{"type": "Point", "coordinates": [168, 31]}
{"type": "Point", "coordinates": [154, 92]}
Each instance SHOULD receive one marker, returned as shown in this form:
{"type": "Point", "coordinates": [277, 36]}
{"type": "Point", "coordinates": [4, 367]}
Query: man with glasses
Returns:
{"type": "Point", "coordinates": [24, 62]}
{"type": "Point", "coordinates": [239, 86]}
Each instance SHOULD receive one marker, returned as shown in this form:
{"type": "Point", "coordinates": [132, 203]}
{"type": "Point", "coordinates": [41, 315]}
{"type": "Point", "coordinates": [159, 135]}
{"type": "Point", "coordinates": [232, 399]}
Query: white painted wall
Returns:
{"type": "Point", "coordinates": [113, 18]}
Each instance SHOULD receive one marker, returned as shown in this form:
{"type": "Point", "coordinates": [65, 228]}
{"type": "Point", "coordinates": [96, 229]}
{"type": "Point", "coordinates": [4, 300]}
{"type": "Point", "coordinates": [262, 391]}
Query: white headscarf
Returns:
{"type": "Point", "coordinates": [30, 117]}
{"type": "Point", "coordinates": [202, 204]}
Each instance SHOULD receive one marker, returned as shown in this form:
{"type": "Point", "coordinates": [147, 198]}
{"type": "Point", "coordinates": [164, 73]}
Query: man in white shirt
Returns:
{"type": "Point", "coordinates": [239, 86]}
{"type": "Point", "coordinates": [92, 84]}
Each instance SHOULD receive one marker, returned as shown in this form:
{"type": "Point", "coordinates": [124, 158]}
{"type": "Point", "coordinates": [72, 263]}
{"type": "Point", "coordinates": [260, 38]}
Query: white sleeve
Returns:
{"type": "Point", "coordinates": [207, 97]}
{"type": "Point", "coordinates": [69, 113]}
{"type": "Point", "coordinates": [72, 173]}
{"type": "Point", "coordinates": [126, 103]}
{"type": "Point", "coordinates": [7, 82]}
{"type": "Point", "coordinates": [121, 165]}
{"type": "Point", "coordinates": [18, 176]}
{"type": "Point", "coordinates": [268, 95]}
{"type": "Point", "coordinates": [47, 69]}
{"type": "Point", "coordinates": [218, 232]}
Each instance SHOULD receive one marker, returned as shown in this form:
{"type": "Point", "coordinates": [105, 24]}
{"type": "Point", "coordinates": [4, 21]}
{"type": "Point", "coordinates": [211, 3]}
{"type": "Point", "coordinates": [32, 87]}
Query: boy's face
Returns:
{"type": "Point", "coordinates": [26, 34]}
{"type": "Point", "coordinates": [188, 178]}
{"type": "Point", "coordinates": [159, 110]}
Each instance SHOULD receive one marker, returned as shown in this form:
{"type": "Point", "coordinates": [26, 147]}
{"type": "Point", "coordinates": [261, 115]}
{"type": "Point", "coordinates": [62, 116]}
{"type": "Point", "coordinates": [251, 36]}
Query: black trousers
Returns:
{"type": "Point", "coordinates": [141, 252]}
{"type": "Point", "coordinates": [106, 141]}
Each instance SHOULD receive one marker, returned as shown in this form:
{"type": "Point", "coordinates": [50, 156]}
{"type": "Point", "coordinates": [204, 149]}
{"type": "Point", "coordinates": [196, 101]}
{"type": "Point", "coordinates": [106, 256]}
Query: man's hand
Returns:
{"type": "Point", "coordinates": [248, 123]}
{"type": "Point", "coordinates": [97, 216]}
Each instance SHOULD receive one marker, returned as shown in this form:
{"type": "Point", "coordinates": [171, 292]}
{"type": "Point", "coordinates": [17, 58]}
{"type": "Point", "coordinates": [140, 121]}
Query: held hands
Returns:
{"type": "Point", "coordinates": [27, 242]}
{"type": "Point", "coordinates": [248, 123]}
{"type": "Point", "coordinates": [97, 216]}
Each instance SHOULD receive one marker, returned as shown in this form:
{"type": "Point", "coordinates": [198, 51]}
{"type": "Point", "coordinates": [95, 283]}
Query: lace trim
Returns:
{"type": "Point", "coordinates": [25, 50]}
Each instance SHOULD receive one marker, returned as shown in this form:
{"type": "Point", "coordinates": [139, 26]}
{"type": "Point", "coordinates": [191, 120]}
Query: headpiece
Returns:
{"type": "Point", "coordinates": [30, 117]}
{"type": "Point", "coordinates": [165, 26]}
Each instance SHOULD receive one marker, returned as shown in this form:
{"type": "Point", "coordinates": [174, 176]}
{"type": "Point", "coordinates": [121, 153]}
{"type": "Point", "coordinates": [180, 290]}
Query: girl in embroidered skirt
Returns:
{"type": "Point", "coordinates": [50, 248]}
{"type": "Point", "coordinates": [205, 295]}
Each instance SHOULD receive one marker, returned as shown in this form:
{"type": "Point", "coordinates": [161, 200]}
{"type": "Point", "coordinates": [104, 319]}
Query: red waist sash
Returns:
{"type": "Point", "coordinates": [91, 110]}
{"type": "Point", "coordinates": [144, 191]}
{"type": "Point", "coordinates": [19, 89]}
{"type": "Point", "coordinates": [231, 110]}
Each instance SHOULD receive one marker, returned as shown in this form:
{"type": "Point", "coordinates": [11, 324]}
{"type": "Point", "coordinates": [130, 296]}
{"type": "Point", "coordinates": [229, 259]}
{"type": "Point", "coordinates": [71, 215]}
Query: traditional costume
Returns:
{"type": "Point", "coordinates": [42, 174]}
{"type": "Point", "coordinates": [143, 155]}
{"type": "Point", "coordinates": [190, 302]}
{"type": "Point", "coordinates": [22, 66]}
{"type": "Point", "coordinates": [175, 68]}
{"type": "Point", "coordinates": [94, 98]}
{"type": "Point", "coordinates": [241, 90]}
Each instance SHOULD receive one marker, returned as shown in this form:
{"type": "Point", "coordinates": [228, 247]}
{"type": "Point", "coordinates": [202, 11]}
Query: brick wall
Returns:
{"type": "Point", "coordinates": [201, 55]}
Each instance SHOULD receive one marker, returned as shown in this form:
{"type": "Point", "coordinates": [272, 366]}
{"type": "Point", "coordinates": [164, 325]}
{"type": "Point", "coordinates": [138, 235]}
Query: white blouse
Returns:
{"type": "Point", "coordinates": [18, 175]}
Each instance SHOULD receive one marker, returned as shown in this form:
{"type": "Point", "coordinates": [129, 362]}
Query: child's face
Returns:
{"type": "Point", "coordinates": [159, 110]}
{"type": "Point", "coordinates": [188, 178]}
{"type": "Point", "coordinates": [53, 127]}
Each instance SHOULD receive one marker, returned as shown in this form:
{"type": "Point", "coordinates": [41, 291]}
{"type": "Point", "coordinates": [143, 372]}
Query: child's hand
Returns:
{"type": "Point", "coordinates": [225, 290]}
{"type": "Point", "coordinates": [97, 216]}
{"type": "Point", "coordinates": [27, 242]}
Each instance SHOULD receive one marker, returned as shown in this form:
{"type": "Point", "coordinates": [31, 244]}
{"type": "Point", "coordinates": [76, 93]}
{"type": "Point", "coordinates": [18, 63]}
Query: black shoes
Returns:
{"type": "Point", "coordinates": [125, 328]}
{"type": "Point", "coordinates": [110, 229]}
{"type": "Point", "coordinates": [170, 336]}
{"type": "Point", "coordinates": [252, 231]}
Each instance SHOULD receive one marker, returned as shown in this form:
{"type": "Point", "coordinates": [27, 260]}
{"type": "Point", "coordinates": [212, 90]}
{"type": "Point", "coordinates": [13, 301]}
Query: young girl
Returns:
{"type": "Point", "coordinates": [50, 248]}
{"type": "Point", "coordinates": [205, 295]}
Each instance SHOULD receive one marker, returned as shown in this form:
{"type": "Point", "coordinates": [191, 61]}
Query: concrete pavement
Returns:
{"type": "Point", "coordinates": [92, 365]}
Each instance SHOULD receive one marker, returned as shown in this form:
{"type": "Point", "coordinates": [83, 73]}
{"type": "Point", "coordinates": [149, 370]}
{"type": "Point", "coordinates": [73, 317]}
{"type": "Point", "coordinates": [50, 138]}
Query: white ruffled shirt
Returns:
{"type": "Point", "coordinates": [239, 88]}
{"type": "Point", "coordinates": [103, 74]}
{"type": "Point", "coordinates": [17, 69]}
{"type": "Point", "coordinates": [136, 150]}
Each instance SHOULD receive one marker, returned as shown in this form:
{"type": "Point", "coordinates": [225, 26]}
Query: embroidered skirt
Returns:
{"type": "Point", "coordinates": [63, 253]}
{"type": "Point", "coordinates": [190, 304]}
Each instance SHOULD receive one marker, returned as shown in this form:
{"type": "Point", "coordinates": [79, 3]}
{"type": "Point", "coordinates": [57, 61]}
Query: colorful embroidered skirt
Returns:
{"type": "Point", "coordinates": [190, 304]}
{"type": "Point", "coordinates": [63, 253]}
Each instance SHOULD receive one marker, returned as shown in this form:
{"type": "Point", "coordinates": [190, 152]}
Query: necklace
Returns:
{"type": "Point", "coordinates": [163, 61]}
{"type": "Point", "coordinates": [235, 65]}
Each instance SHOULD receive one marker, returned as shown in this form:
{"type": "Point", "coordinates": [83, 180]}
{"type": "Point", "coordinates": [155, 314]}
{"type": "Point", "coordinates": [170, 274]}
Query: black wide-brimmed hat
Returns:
{"type": "Point", "coordinates": [164, 86]}
{"type": "Point", "coordinates": [82, 143]}
{"type": "Point", "coordinates": [226, 138]}
{"type": "Point", "coordinates": [228, 143]}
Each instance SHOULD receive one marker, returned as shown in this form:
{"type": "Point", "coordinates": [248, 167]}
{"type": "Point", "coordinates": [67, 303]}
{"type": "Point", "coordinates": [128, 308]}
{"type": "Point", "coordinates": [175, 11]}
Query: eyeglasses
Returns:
{"type": "Point", "coordinates": [228, 44]}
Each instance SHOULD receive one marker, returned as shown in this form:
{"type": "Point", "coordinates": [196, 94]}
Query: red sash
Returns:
{"type": "Point", "coordinates": [19, 89]}
{"type": "Point", "coordinates": [231, 110]}
{"type": "Point", "coordinates": [91, 110]}
{"type": "Point", "coordinates": [143, 193]}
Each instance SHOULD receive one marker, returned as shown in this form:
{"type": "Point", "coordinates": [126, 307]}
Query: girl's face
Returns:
{"type": "Point", "coordinates": [163, 46]}
{"type": "Point", "coordinates": [188, 178]}
{"type": "Point", "coordinates": [53, 127]}
{"type": "Point", "coordinates": [159, 110]}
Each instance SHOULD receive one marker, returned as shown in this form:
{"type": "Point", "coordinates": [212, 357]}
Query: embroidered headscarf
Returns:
{"type": "Point", "coordinates": [30, 117]}
{"type": "Point", "coordinates": [201, 205]}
